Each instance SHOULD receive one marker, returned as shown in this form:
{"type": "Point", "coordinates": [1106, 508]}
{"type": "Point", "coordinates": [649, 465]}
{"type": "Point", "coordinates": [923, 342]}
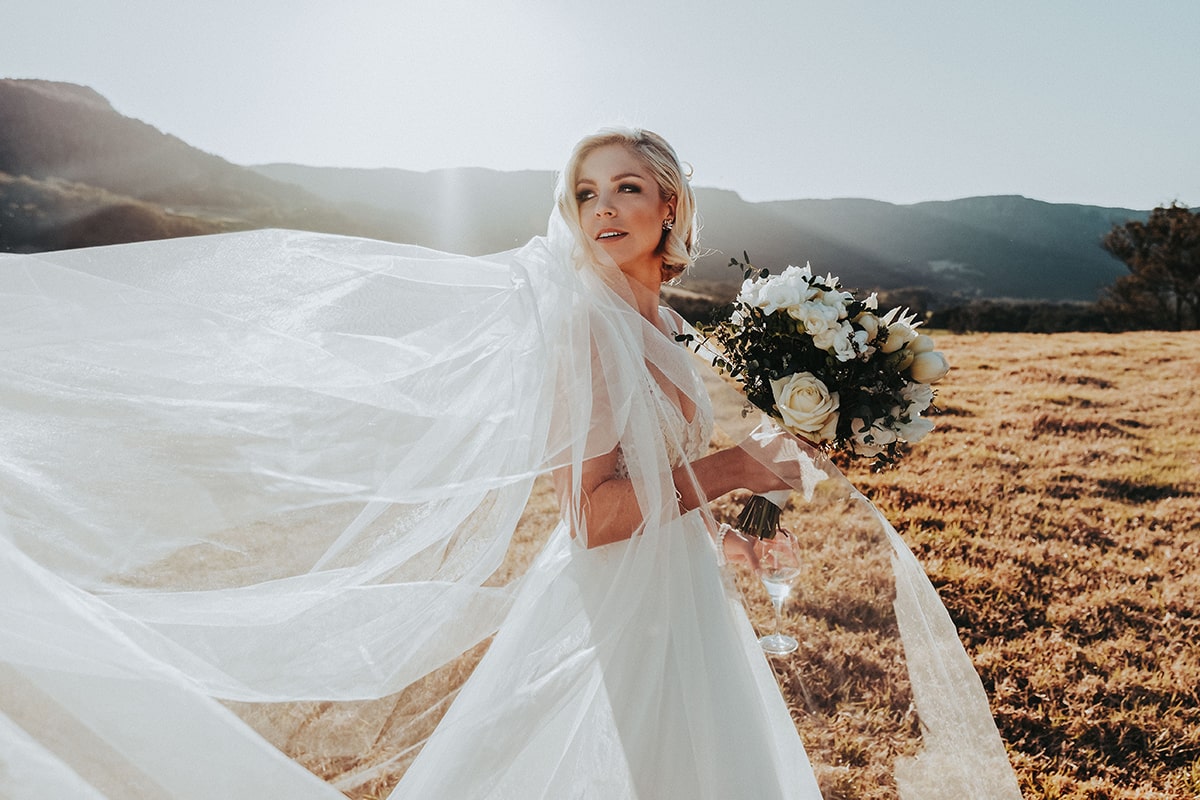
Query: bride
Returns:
{"type": "Point", "coordinates": [257, 495]}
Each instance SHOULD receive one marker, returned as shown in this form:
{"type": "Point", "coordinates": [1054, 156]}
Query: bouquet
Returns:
{"type": "Point", "coordinates": [827, 367]}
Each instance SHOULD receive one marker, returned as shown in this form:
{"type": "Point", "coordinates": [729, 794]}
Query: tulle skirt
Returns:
{"type": "Point", "coordinates": [626, 671]}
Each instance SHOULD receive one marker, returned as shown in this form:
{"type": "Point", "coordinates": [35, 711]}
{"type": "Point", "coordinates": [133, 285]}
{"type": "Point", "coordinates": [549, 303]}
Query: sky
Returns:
{"type": "Point", "coordinates": [1075, 101]}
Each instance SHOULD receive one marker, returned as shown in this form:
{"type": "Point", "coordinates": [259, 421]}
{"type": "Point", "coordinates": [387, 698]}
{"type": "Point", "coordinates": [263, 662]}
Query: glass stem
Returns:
{"type": "Point", "coordinates": [777, 604]}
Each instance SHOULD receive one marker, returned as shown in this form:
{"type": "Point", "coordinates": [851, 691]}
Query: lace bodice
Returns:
{"type": "Point", "coordinates": [685, 441]}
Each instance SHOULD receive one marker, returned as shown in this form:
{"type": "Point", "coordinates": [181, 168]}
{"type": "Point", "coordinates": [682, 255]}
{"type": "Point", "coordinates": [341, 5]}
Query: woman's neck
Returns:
{"type": "Point", "coordinates": [645, 292]}
{"type": "Point", "coordinates": [645, 282]}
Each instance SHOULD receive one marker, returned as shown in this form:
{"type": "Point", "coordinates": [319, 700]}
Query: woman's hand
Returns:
{"type": "Point", "coordinates": [739, 547]}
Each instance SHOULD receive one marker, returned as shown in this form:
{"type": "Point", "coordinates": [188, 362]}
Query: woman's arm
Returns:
{"type": "Point", "coordinates": [609, 506]}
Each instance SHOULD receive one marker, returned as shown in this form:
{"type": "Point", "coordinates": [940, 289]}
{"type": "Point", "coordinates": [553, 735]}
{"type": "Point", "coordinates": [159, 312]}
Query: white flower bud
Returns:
{"type": "Point", "coordinates": [869, 323]}
{"type": "Point", "coordinates": [929, 367]}
{"type": "Point", "coordinates": [921, 344]}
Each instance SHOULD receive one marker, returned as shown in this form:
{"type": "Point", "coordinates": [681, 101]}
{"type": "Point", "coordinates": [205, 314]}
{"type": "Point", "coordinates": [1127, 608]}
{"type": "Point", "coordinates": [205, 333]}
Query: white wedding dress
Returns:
{"type": "Point", "coordinates": [256, 491]}
{"type": "Point", "coordinates": [632, 656]}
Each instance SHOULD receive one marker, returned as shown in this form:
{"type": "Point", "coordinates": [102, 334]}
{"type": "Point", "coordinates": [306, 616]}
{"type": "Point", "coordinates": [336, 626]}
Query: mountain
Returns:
{"type": "Point", "coordinates": [995, 247]}
{"type": "Point", "coordinates": [74, 172]}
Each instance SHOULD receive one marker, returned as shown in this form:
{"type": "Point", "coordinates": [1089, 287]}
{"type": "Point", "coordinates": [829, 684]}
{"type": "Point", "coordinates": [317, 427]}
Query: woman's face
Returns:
{"type": "Point", "coordinates": [621, 208]}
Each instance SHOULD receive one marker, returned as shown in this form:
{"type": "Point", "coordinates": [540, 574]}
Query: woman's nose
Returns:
{"type": "Point", "coordinates": [604, 207]}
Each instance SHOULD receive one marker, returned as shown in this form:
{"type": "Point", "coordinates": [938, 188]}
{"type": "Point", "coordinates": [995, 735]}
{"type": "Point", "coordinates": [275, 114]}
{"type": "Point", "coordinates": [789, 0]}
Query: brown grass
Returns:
{"type": "Point", "coordinates": [1057, 510]}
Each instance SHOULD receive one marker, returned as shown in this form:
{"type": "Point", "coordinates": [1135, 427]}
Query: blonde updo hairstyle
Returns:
{"type": "Point", "coordinates": [679, 246]}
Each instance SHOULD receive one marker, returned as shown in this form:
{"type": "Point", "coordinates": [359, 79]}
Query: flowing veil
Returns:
{"type": "Point", "coordinates": [259, 497]}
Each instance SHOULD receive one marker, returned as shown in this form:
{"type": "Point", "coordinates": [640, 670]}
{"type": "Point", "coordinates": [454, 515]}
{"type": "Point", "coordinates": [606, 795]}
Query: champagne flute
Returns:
{"type": "Point", "coordinates": [778, 568]}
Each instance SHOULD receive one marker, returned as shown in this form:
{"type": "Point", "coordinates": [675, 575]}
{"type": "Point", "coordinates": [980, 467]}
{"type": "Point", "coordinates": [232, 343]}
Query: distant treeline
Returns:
{"type": "Point", "coordinates": [1023, 316]}
{"type": "Point", "coordinates": [971, 316]}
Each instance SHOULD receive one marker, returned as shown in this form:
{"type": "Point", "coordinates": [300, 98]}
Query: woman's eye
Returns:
{"type": "Point", "coordinates": [584, 194]}
{"type": "Point", "coordinates": [630, 188]}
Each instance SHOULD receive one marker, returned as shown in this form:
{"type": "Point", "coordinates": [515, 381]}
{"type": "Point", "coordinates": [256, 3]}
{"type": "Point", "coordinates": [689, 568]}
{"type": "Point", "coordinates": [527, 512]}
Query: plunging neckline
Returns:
{"type": "Point", "coordinates": [678, 398]}
{"type": "Point", "coordinates": [676, 402]}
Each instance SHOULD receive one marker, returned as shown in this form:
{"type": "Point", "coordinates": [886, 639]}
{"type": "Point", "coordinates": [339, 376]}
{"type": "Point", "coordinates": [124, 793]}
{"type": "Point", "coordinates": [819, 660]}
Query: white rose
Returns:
{"type": "Point", "coordinates": [929, 367]}
{"type": "Point", "coordinates": [806, 406]}
{"type": "Point", "coordinates": [786, 290]}
{"type": "Point", "coordinates": [815, 317]}
{"type": "Point", "coordinates": [749, 292]}
{"type": "Point", "coordinates": [776, 294]}
{"type": "Point", "coordinates": [837, 341]}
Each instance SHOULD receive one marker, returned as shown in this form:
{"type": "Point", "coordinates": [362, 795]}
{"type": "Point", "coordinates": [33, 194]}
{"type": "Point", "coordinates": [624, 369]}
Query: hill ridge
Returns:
{"type": "Point", "coordinates": [988, 246]}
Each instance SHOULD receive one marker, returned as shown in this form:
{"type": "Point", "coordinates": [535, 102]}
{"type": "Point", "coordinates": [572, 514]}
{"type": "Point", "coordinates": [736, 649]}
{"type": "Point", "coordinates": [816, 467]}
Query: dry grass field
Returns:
{"type": "Point", "coordinates": [1057, 510]}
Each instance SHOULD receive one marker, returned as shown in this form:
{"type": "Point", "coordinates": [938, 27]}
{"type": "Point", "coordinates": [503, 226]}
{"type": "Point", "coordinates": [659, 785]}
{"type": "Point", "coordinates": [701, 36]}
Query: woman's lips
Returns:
{"type": "Point", "coordinates": [608, 234]}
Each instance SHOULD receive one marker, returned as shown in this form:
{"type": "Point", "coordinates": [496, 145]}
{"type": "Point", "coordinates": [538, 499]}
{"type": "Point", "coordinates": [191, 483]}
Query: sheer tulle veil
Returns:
{"type": "Point", "coordinates": [257, 492]}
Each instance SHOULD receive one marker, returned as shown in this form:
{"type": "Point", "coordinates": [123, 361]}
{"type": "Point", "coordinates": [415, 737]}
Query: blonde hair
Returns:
{"type": "Point", "coordinates": [679, 246]}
